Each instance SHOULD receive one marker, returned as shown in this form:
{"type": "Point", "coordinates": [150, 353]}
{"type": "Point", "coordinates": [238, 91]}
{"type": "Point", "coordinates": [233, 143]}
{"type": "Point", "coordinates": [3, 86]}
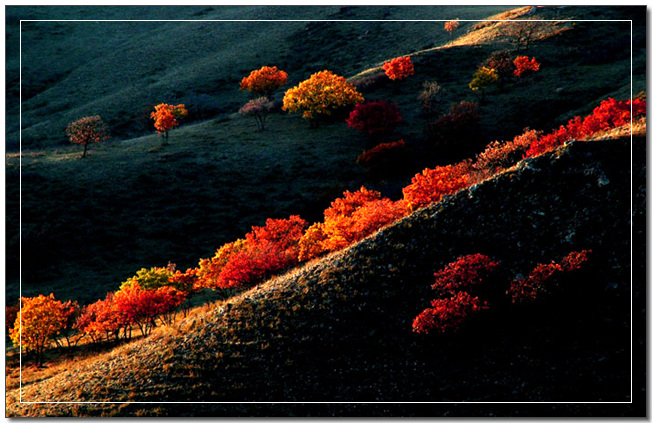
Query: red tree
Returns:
{"type": "Point", "coordinates": [264, 81]}
{"type": "Point", "coordinates": [87, 130]}
{"type": "Point", "coordinates": [167, 117]}
{"type": "Point", "coordinates": [447, 315]}
{"type": "Point", "coordinates": [431, 185]}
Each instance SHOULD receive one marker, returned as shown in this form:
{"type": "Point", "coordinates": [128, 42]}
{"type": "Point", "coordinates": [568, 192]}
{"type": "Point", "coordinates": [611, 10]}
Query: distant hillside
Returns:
{"type": "Point", "coordinates": [119, 70]}
{"type": "Point", "coordinates": [339, 329]}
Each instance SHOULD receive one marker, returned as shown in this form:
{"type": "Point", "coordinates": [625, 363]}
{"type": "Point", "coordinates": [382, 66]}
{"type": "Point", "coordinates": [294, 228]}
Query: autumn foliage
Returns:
{"type": "Point", "coordinates": [320, 95]}
{"type": "Point", "coordinates": [264, 251]}
{"type": "Point", "coordinates": [609, 114]}
{"type": "Point", "coordinates": [264, 81]}
{"type": "Point", "coordinates": [167, 116]}
{"type": "Point", "coordinates": [40, 319]}
{"type": "Point", "coordinates": [349, 219]}
{"type": "Point", "coordinates": [87, 130]}
{"type": "Point", "coordinates": [525, 65]}
{"type": "Point", "coordinates": [447, 315]}
{"type": "Point", "coordinates": [483, 78]}
{"type": "Point", "coordinates": [501, 155]}
{"type": "Point", "coordinates": [399, 68]}
{"type": "Point", "coordinates": [544, 277]}
{"type": "Point", "coordinates": [451, 26]}
{"type": "Point", "coordinates": [466, 273]}
{"type": "Point", "coordinates": [431, 185]}
{"type": "Point", "coordinates": [374, 118]}
{"type": "Point", "coordinates": [258, 108]}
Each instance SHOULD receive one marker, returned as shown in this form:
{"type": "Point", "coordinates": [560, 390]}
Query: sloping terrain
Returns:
{"type": "Point", "coordinates": [339, 329]}
{"type": "Point", "coordinates": [132, 203]}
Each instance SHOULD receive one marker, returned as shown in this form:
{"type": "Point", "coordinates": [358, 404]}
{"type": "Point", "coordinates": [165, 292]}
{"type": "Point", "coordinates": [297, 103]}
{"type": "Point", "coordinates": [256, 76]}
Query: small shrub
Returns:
{"type": "Point", "coordinates": [464, 274]}
{"type": "Point", "coordinates": [374, 118]}
{"type": "Point", "coordinates": [544, 278]}
{"type": "Point", "coordinates": [524, 65]}
{"type": "Point", "coordinates": [430, 98]}
{"type": "Point", "coordinates": [501, 155]}
{"type": "Point", "coordinates": [87, 130]}
{"type": "Point", "coordinates": [399, 68]}
{"type": "Point", "coordinates": [482, 79]}
{"type": "Point", "coordinates": [447, 315]}
{"type": "Point", "coordinates": [258, 108]}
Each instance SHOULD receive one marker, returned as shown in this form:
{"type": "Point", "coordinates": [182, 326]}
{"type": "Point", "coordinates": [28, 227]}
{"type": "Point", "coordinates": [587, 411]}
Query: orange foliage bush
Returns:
{"type": "Point", "coordinates": [399, 68]}
{"type": "Point", "coordinates": [431, 185]}
{"type": "Point", "coordinates": [348, 220]}
{"type": "Point", "coordinates": [319, 95]}
{"type": "Point", "coordinates": [264, 80]}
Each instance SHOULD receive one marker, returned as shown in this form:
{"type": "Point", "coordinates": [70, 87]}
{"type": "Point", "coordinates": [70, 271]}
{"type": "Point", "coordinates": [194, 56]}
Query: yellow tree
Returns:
{"type": "Point", "coordinates": [320, 95]}
{"type": "Point", "coordinates": [40, 319]}
{"type": "Point", "coordinates": [483, 78]}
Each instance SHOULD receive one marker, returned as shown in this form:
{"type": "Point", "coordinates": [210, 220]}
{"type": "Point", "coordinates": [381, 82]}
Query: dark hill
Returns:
{"type": "Point", "coordinates": [339, 329]}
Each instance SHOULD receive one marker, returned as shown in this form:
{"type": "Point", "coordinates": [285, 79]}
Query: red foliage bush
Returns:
{"type": "Point", "coordinates": [374, 117]}
{"type": "Point", "coordinates": [264, 80]}
{"type": "Point", "coordinates": [431, 185]}
{"type": "Point", "coordinates": [382, 157]}
{"type": "Point", "coordinates": [544, 277]}
{"type": "Point", "coordinates": [399, 68]}
{"type": "Point", "coordinates": [447, 315]}
{"type": "Point", "coordinates": [609, 114]}
{"type": "Point", "coordinates": [525, 65]}
{"type": "Point", "coordinates": [465, 273]}
{"type": "Point", "coordinates": [265, 251]}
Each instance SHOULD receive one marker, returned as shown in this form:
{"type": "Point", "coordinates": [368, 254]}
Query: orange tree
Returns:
{"type": "Point", "coordinates": [167, 117]}
{"type": "Point", "coordinates": [39, 321]}
{"type": "Point", "coordinates": [264, 81]}
{"type": "Point", "coordinates": [451, 26]}
{"type": "Point", "coordinates": [320, 95]}
{"type": "Point", "coordinates": [87, 130]}
{"type": "Point", "coordinates": [431, 185]}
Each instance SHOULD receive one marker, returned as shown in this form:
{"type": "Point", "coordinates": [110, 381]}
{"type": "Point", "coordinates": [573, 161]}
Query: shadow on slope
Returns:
{"type": "Point", "coordinates": [339, 329]}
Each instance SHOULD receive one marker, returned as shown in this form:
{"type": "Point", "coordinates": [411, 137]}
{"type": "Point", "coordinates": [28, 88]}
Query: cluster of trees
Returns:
{"type": "Point", "coordinates": [151, 296]}
{"type": "Point", "coordinates": [473, 283]}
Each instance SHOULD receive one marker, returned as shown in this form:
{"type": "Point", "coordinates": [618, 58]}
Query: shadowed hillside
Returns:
{"type": "Point", "coordinates": [134, 203]}
{"type": "Point", "coordinates": [339, 329]}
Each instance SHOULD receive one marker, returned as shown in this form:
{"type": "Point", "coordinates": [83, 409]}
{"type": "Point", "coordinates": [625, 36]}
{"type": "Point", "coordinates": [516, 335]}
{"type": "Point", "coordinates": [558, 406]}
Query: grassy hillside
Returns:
{"type": "Point", "coordinates": [133, 203]}
{"type": "Point", "coordinates": [339, 329]}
